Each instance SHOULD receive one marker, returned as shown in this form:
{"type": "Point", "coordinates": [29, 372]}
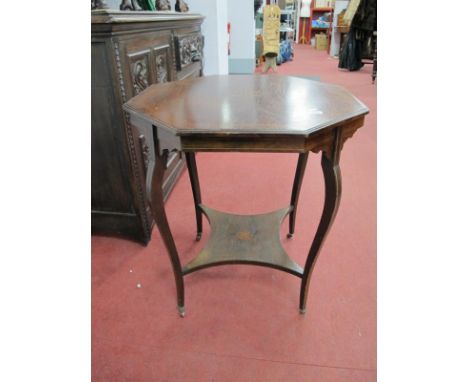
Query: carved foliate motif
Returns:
{"type": "Point", "coordinates": [140, 75]}
{"type": "Point", "coordinates": [145, 150]}
{"type": "Point", "coordinates": [161, 68]}
{"type": "Point", "coordinates": [189, 49]}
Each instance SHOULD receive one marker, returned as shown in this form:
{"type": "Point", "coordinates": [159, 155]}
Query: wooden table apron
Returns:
{"type": "Point", "coordinates": [246, 239]}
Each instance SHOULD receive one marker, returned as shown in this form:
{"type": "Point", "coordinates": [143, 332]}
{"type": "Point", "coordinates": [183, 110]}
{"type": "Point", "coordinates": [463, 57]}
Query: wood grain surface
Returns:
{"type": "Point", "coordinates": [246, 104]}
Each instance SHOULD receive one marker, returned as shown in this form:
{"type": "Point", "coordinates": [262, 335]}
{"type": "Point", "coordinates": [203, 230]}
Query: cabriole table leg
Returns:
{"type": "Point", "coordinates": [300, 170]}
{"type": "Point", "coordinates": [193, 174]}
{"type": "Point", "coordinates": [332, 176]}
{"type": "Point", "coordinates": [159, 214]}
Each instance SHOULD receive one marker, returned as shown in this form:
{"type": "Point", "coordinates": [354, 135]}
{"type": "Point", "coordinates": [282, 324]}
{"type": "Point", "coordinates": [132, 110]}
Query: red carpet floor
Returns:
{"type": "Point", "coordinates": [242, 322]}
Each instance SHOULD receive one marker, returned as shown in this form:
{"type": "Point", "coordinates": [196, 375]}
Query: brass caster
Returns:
{"type": "Point", "coordinates": [198, 236]}
{"type": "Point", "coordinates": [302, 311]}
{"type": "Point", "coordinates": [290, 235]}
{"type": "Point", "coordinates": [181, 310]}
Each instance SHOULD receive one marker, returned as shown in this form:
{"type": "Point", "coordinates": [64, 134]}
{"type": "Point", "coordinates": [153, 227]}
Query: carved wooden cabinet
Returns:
{"type": "Point", "coordinates": [130, 51]}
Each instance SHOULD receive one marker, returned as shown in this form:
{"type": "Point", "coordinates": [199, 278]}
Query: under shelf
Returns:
{"type": "Point", "coordinates": [244, 239]}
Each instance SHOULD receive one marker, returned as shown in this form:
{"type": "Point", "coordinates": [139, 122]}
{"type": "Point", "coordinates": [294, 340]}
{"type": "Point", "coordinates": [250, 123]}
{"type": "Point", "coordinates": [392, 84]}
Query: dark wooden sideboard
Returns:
{"type": "Point", "coordinates": [130, 51]}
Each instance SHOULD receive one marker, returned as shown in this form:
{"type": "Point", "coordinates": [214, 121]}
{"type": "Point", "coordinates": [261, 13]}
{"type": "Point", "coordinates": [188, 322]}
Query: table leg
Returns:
{"type": "Point", "coordinates": [300, 169]}
{"type": "Point", "coordinates": [332, 176]}
{"type": "Point", "coordinates": [193, 174]}
{"type": "Point", "coordinates": [159, 214]}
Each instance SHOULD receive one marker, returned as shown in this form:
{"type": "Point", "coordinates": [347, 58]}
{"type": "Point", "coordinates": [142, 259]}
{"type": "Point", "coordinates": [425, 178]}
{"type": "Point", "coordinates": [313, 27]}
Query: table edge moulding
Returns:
{"type": "Point", "coordinates": [330, 116]}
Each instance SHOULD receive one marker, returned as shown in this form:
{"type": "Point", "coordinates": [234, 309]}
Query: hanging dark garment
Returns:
{"type": "Point", "coordinates": [351, 54]}
{"type": "Point", "coordinates": [362, 26]}
{"type": "Point", "coordinates": [365, 17]}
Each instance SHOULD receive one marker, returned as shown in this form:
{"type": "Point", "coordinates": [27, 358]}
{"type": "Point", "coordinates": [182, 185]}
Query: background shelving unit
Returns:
{"type": "Point", "coordinates": [316, 12]}
{"type": "Point", "coordinates": [289, 23]}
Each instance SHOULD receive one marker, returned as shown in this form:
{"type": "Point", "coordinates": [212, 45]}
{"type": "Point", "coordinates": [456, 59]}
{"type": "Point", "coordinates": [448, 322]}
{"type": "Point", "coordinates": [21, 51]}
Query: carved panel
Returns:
{"type": "Point", "coordinates": [162, 63]}
{"type": "Point", "coordinates": [139, 68]}
{"type": "Point", "coordinates": [145, 219]}
{"type": "Point", "coordinates": [189, 49]}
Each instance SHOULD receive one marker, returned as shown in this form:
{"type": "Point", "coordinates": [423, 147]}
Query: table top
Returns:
{"type": "Point", "coordinates": [246, 104]}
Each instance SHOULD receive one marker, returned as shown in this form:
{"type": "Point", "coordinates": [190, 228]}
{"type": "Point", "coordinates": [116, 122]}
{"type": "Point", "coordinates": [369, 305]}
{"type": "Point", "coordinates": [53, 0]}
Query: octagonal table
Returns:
{"type": "Point", "coordinates": [246, 113]}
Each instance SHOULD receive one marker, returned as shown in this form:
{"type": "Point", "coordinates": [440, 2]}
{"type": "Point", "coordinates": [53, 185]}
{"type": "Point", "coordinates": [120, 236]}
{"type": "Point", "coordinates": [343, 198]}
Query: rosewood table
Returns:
{"type": "Point", "coordinates": [246, 113]}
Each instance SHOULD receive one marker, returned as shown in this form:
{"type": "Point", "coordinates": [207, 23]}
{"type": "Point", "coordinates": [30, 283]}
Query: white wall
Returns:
{"type": "Point", "coordinates": [241, 17]}
{"type": "Point", "coordinates": [214, 28]}
{"type": "Point", "coordinates": [335, 41]}
{"type": "Point", "coordinates": [113, 4]}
